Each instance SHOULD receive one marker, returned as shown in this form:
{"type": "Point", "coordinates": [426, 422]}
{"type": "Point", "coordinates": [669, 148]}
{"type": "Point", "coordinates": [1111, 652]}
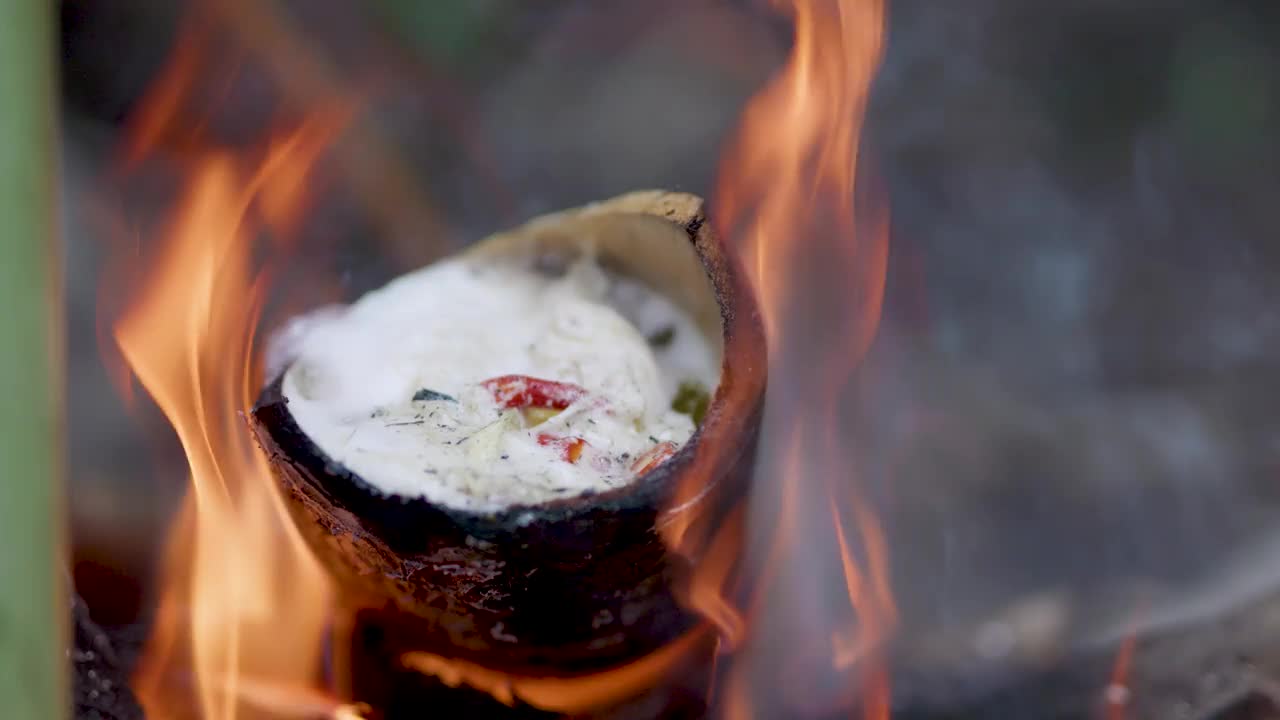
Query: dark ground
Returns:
{"type": "Point", "coordinates": [101, 662]}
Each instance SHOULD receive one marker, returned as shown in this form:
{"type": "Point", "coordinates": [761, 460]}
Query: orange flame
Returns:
{"type": "Point", "coordinates": [568, 695]}
{"type": "Point", "coordinates": [242, 618]}
{"type": "Point", "coordinates": [240, 628]}
{"type": "Point", "coordinates": [787, 199]}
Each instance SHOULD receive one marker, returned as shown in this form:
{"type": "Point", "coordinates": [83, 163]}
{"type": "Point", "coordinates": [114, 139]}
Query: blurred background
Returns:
{"type": "Point", "coordinates": [1075, 415]}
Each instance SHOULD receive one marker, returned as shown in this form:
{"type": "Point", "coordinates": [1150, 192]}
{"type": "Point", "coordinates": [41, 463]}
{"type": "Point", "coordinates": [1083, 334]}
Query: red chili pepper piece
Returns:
{"type": "Point", "coordinates": [570, 447]}
{"type": "Point", "coordinates": [521, 391]}
{"type": "Point", "coordinates": [653, 457]}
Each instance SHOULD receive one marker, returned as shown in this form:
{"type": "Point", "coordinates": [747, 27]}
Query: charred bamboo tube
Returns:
{"type": "Point", "coordinates": [33, 682]}
{"type": "Point", "coordinates": [570, 585]}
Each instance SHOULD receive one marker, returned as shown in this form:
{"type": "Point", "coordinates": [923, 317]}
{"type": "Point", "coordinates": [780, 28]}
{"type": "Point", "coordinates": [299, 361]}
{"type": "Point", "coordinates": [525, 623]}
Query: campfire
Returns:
{"type": "Point", "coordinates": [252, 613]}
{"type": "Point", "coordinates": [409, 502]}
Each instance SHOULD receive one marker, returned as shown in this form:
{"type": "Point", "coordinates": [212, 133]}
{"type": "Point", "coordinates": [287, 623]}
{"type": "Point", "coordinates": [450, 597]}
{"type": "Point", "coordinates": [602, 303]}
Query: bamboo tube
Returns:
{"type": "Point", "coordinates": [33, 683]}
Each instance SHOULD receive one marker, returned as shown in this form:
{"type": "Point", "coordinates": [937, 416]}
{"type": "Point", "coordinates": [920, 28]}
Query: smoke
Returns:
{"type": "Point", "coordinates": [1069, 419]}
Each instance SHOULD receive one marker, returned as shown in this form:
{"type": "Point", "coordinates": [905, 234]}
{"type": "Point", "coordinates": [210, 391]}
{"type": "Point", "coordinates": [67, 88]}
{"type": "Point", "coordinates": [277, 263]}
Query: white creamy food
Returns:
{"type": "Point", "coordinates": [461, 336]}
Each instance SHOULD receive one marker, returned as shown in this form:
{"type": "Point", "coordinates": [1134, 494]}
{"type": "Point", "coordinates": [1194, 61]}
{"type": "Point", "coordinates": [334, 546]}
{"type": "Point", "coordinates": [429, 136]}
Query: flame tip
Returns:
{"type": "Point", "coordinates": [786, 195]}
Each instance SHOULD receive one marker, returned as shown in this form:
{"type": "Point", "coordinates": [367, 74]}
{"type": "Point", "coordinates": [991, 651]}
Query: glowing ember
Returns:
{"type": "Point", "coordinates": [786, 198]}
{"type": "Point", "coordinates": [1117, 695]}
{"type": "Point", "coordinates": [570, 695]}
{"type": "Point", "coordinates": [244, 607]}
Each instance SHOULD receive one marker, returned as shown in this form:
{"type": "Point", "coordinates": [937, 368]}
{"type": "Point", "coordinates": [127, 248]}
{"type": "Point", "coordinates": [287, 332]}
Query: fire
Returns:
{"type": "Point", "coordinates": [786, 198]}
{"type": "Point", "coordinates": [244, 610]}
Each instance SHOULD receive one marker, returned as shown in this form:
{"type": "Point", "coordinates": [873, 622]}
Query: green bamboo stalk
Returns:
{"type": "Point", "coordinates": [33, 602]}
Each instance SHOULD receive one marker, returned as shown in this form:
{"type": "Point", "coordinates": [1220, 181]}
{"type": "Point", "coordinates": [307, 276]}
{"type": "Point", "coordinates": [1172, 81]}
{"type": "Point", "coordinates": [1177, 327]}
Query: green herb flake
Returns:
{"type": "Point", "coordinates": [428, 395]}
{"type": "Point", "coordinates": [663, 338]}
{"type": "Point", "coordinates": [692, 399]}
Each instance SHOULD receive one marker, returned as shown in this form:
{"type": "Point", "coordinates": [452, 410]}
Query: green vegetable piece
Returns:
{"type": "Point", "coordinates": [692, 399]}
{"type": "Point", "coordinates": [663, 337]}
{"type": "Point", "coordinates": [429, 395]}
